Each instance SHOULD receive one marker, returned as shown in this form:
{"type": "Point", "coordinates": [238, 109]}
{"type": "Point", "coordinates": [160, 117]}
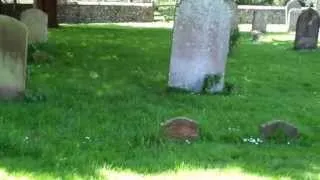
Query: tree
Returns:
{"type": "Point", "coordinates": [50, 7]}
{"type": "Point", "coordinates": [1, 6]}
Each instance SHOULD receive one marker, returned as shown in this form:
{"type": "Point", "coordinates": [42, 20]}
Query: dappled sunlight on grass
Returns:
{"type": "Point", "coordinates": [275, 37]}
{"type": "Point", "coordinates": [278, 38]}
{"type": "Point", "coordinates": [5, 175]}
{"type": "Point", "coordinates": [182, 173]}
{"type": "Point", "coordinates": [25, 175]}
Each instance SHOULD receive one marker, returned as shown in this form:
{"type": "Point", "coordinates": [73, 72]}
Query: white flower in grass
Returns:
{"type": "Point", "coordinates": [252, 140]}
{"type": "Point", "coordinates": [26, 139]}
{"type": "Point", "coordinates": [94, 75]}
{"type": "Point", "coordinates": [233, 129]}
{"type": "Point", "coordinates": [259, 140]}
{"type": "Point", "coordinates": [87, 139]}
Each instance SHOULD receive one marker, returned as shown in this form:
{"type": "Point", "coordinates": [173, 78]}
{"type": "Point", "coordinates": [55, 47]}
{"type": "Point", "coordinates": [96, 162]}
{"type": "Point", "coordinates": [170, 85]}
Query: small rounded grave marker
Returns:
{"type": "Point", "coordinates": [272, 128]}
{"type": "Point", "coordinates": [181, 128]}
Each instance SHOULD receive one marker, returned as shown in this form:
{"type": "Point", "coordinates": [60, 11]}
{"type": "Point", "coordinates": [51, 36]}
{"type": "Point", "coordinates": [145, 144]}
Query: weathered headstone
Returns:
{"type": "Point", "coordinates": [275, 128]}
{"type": "Point", "coordinates": [317, 5]}
{"type": "Point", "coordinates": [200, 44]}
{"type": "Point", "coordinates": [181, 128]}
{"type": "Point", "coordinates": [37, 23]}
{"type": "Point", "coordinates": [13, 57]}
{"type": "Point", "coordinates": [307, 30]}
{"type": "Point", "coordinates": [294, 13]}
{"type": "Point", "coordinates": [290, 5]}
{"type": "Point", "coordinates": [259, 21]}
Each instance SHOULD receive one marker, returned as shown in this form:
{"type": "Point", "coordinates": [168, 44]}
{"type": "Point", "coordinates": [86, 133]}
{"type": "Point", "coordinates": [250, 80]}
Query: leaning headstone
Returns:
{"type": "Point", "coordinates": [200, 44]}
{"type": "Point", "coordinates": [37, 23]}
{"type": "Point", "coordinates": [259, 21]}
{"type": "Point", "coordinates": [277, 128]}
{"type": "Point", "coordinates": [290, 5]}
{"type": "Point", "coordinates": [13, 57]}
{"type": "Point", "coordinates": [307, 30]}
{"type": "Point", "coordinates": [293, 18]}
{"type": "Point", "coordinates": [180, 128]}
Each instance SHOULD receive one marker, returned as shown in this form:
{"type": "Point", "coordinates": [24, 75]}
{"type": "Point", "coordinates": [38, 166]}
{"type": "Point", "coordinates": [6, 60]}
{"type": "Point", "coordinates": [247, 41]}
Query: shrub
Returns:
{"type": "Point", "coordinates": [234, 38]}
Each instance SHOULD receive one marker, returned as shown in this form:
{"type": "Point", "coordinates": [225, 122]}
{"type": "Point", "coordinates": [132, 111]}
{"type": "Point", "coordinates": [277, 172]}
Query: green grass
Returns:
{"type": "Point", "coordinates": [106, 94]}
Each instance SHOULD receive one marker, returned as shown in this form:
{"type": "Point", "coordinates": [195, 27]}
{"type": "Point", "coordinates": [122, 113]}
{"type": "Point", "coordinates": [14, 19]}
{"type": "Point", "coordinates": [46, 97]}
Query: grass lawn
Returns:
{"type": "Point", "coordinates": [106, 96]}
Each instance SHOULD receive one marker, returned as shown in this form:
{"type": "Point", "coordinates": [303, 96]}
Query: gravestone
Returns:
{"type": "Point", "coordinates": [290, 5]}
{"type": "Point", "coordinates": [259, 21]}
{"type": "Point", "coordinates": [37, 23]}
{"type": "Point", "coordinates": [307, 30]}
{"type": "Point", "coordinates": [200, 44]}
{"type": "Point", "coordinates": [317, 5]}
{"type": "Point", "coordinates": [293, 18]}
{"type": "Point", "coordinates": [273, 128]}
{"type": "Point", "coordinates": [13, 57]}
{"type": "Point", "coordinates": [181, 128]}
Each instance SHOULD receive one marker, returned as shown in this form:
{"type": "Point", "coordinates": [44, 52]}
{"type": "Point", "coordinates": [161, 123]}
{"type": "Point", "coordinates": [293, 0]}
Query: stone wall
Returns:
{"type": "Point", "coordinates": [105, 12]}
{"type": "Point", "coordinates": [136, 12]}
{"type": "Point", "coordinates": [10, 10]}
{"type": "Point", "coordinates": [275, 14]}
{"type": "Point", "coordinates": [129, 12]}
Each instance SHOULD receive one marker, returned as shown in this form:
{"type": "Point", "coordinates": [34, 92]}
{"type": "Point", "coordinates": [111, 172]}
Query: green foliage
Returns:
{"type": "Point", "coordinates": [167, 12]}
{"type": "Point", "coordinates": [210, 80]}
{"type": "Point", "coordinates": [234, 39]}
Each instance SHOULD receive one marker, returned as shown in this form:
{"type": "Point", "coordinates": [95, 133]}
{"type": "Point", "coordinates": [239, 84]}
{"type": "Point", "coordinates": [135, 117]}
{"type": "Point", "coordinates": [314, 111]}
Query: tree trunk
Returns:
{"type": "Point", "coordinates": [1, 7]}
{"type": "Point", "coordinates": [50, 7]}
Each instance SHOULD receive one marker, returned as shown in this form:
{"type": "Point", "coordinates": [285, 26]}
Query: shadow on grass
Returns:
{"type": "Point", "coordinates": [106, 97]}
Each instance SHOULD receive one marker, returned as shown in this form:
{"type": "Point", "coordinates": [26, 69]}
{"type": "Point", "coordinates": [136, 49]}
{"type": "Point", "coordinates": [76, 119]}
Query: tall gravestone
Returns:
{"type": "Point", "coordinates": [13, 57]}
{"type": "Point", "coordinates": [290, 5]}
{"type": "Point", "coordinates": [200, 44]}
{"type": "Point", "coordinates": [259, 21]}
{"type": "Point", "coordinates": [317, 5]}
{"type": "Point", "coordinates": [37, 23]}
{"type": "Point", "coordinates": [307, 30]}
{"type": "Point", "coordinates": [293, 18]}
